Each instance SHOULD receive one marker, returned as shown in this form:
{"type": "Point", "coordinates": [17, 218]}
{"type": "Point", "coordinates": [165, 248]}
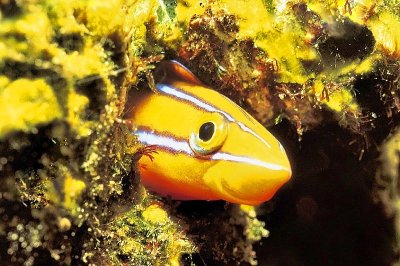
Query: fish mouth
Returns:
{"type": "Point", "coordinates": [228, 194]}
{"type": "Point", "coordinates": [251, 197]}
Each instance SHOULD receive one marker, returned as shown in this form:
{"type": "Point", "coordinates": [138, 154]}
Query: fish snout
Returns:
{"type": "Point", "coordinates": [254, 184]}
{"type": "Point", "coordinates": [253, 178]}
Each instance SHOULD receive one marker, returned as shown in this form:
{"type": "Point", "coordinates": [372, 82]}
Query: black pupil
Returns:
{"type": "Point", "coordinates": [206, 131]}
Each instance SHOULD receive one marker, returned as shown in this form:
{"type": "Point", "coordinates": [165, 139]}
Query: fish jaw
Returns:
{"type": "Point", "coordinates": [252, 171]}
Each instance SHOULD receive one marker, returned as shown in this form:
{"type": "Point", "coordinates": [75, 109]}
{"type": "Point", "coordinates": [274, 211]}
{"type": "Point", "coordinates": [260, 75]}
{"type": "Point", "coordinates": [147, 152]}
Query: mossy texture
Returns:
{"type": "Point", "coordinates": [324, 74]}
{"type": "Point", "coordinates": [65, 67]}
{"type": "Point", "coordinates": [35, 101]}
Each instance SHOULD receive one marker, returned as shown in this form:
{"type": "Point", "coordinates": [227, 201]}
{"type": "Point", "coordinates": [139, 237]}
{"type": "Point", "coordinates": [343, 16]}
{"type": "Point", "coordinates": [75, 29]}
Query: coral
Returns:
{"type": "Point", "coordinates": [295, 62]}
{"type": "Point", "coordinates": [154, 233]}
{"type": "Point", "coordinates": [63, 78]}
{"type": "Point", "coordinates": [35, 101]}
{"type": "Point", "coordinates": [324, 75]}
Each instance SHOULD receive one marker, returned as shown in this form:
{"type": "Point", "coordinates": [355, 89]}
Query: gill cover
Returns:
{"type": "Point", "coordinates": [206, 146]}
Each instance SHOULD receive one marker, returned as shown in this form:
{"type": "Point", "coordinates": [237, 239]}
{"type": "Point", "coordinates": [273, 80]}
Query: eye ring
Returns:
{"type": "Point", "coordinates": [209, 134]}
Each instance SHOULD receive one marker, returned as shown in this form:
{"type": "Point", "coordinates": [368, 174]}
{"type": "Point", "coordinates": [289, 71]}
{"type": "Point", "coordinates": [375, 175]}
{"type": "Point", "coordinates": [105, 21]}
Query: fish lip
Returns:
{"type": "Point", "coordinates": [226, 192]}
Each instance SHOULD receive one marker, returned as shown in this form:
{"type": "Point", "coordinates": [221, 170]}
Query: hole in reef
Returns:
{"type": "Point", "coordinates": [200, 208]}
{"type": "Point", "coordinates": [16, 70]}
{"type": "Point", "coordinates": [25, 153]}
{"type": "Point", "coordinates": [346, 218]}
{"type": "Point", "coordinates": [346, 40]}
{"type": "Point", "coordinates": [114, 46]}
{"type": "Point", "coordinates": [70, 42]}
{"type": "Point", "coordinates": [123, 258]}
{"type": "Point", "coordinates": [9, 8]}
{"type": "Point", "coordinates": [192, 259]}
{"type": "Point", "coordinates": [93, 87]}
{"type": "Point", "coordinates": [371, 89]}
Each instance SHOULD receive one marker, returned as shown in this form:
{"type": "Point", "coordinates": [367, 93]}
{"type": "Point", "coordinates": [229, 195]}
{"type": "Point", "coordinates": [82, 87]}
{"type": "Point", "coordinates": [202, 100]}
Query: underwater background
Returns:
{"type": "Point", "coordinates": [322, 76]}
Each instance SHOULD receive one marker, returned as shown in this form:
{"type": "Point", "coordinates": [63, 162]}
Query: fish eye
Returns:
{"type": "Point", "coordinates": [206, 131]}
{"type": "Point", "coordinates": [209, 134]}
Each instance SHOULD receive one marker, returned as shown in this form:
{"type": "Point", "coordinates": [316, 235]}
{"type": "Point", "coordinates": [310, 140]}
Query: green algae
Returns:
{"type": "Point", "coordinates": [65, 69]}
{"type": "Point", "coordinates": [308, 42]}
{"type": "Point", "coordinates": [141, 232]}
{"type": "Point", "coordinates": [27, 104]}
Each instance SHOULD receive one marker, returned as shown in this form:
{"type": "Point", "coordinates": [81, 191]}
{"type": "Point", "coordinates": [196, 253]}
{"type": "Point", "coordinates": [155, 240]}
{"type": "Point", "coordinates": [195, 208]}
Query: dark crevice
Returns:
{"type": "Point", "coordinates": [25, 154]}
{"type": "Point", "coordinates": [17, 70]}
{"type": "Point", "coordinates": [325, 215]}
{"type": "Point", "coordinates": [9, 8]}
{"type": "Point", "coordinates": [115, 47]}
{"type": "Point", "coordinates": [345, 41]}
{"type": "Point", "coordinates": [72, 42]}
{"type": "Point", "coordinates": [93, 87]}
{"type": "Point", "coordinates": [370, 95]}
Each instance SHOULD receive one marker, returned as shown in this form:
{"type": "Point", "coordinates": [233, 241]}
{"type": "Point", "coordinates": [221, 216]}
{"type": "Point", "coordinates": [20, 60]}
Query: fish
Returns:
{"type": "Point", "coordinates": [202, 145]}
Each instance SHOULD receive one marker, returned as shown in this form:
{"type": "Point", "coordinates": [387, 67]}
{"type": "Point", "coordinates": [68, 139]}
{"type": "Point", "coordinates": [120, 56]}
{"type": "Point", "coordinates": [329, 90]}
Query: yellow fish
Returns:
{"type": "Point", "coordinates": [205, 146]}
